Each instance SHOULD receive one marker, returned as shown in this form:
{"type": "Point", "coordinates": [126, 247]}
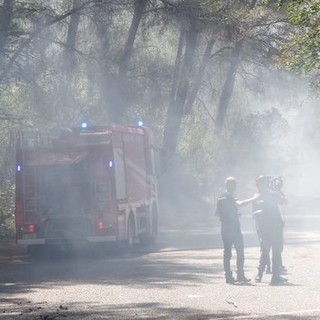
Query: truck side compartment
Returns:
{"type": "Point", "coordinates": [92, 185]}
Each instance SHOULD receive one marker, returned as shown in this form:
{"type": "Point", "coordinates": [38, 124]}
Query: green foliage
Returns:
{"type": "Point", "coordinates": [301, 53]}
{"type": "Point", "coordinates": [7, 223]}
{"type": "Point", "coordinates": [56, 70]}
{"type": "Point", "coordinates": [257, 143]}
{"type": "Point", "coordinates": [261, 139]}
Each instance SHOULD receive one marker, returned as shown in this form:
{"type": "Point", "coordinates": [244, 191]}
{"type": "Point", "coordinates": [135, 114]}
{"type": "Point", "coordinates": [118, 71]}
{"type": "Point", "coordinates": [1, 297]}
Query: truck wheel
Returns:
{"type": "Point", "coordinates": [131, 233]}
{"type": "Point", "coordinates": [154, 232]}
{"type": "Point", "coordinates": [150, 236]}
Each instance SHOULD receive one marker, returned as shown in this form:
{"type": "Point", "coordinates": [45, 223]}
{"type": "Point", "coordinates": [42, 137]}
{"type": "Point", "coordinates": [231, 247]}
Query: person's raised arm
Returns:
{"type": "Point", "coordinates": [217, 209]}
{"type": "Point", "coordinates": [245, 202]}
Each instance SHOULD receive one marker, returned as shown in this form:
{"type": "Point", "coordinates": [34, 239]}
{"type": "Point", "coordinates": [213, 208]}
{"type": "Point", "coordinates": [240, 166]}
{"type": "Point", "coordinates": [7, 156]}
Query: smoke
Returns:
{"type": "Point", "coordinates": [273, 134]}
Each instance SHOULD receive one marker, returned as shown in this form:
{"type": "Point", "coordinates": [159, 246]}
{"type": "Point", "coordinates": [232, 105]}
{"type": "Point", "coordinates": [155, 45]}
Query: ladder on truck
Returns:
{"type": "Point", "coordinates": [29, 144]}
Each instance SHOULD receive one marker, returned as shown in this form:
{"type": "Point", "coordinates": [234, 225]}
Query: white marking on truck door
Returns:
{"type": "Point", "coordinates": [120, 174]}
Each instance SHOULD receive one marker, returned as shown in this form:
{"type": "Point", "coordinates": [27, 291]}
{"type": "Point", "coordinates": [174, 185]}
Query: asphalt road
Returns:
{"type": "Point", "coordinates": [179, 278]}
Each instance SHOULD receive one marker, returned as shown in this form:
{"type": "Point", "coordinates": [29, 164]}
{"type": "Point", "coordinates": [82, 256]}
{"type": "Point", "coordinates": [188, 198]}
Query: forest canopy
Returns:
{"type": "Point", "coordinates": [228, 87]}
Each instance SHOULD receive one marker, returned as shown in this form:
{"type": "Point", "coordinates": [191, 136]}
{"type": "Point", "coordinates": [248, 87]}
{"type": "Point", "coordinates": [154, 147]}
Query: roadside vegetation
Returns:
{"type": "Point", "coordinates": [228, 87]}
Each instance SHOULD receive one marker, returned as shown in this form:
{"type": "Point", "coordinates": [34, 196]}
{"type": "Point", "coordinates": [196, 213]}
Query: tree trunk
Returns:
{"type": "Point", "coordinates": [102, 77]}
{"type": "Point", "coordinates": [176, 108]}
{"type": "Point", "coordinates": [68, 55]}
{"type": "Point", "coordinates": [139, 6]}
{"type": "Point", "coordinates": [228, 87]}
{"type": "Point", "coordinates": [199, 77]}
{"type": "Point", "coordinates": [119, 96]}
{"type": "Point", "coordinates": [227, 90]}
{"type": "Point", "coordinates": [5, 21]}
{"type": "Point", "coordinates": [65, 97]}
{"type": "Point", "coordinates": [177, 66]}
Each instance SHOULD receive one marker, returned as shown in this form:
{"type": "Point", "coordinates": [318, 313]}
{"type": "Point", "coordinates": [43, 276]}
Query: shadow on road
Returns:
{"type": "Point", "coordinates": [23, 309]}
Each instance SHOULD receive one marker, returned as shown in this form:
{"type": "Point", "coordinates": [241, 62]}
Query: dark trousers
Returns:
{"type": "Point", "coordinates": [271, 240]}
{"type": "Point", "coordinates": [232, 237]}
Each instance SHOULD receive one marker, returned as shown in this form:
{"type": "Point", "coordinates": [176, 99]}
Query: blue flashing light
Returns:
{"type": "Point", "coordinates": [84, 125]}
{"type": "Point", "coordinates": [110, 164]}
{"type": "Point", "coordinates": [140, 123]}
{"type": "Point", "coordinates": [18, 168]}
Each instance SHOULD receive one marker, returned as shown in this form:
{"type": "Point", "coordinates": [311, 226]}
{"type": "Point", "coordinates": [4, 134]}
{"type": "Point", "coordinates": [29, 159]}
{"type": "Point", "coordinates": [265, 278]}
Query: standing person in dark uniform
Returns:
{"type": "Point", "coordinates": [227, 211]}
{"type": "Point", "coordinates": [269, 225]}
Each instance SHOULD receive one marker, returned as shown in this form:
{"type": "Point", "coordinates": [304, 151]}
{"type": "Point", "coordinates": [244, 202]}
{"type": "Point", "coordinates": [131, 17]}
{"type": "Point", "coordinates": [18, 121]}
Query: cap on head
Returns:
{"type": "Point", "coordinates": [262, 182]}
{"type": "Point", "coordinates": [231, 184]}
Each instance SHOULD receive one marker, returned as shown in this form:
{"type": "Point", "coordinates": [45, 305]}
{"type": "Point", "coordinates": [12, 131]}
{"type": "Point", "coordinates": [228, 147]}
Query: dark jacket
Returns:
{"type": "Point", "coordinates": [267, 213]}
{"type": "Point", "coordinates": [227, 210]}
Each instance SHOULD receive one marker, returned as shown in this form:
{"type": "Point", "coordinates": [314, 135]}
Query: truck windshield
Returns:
{"type": "Point", "coordinates": [64, 189]}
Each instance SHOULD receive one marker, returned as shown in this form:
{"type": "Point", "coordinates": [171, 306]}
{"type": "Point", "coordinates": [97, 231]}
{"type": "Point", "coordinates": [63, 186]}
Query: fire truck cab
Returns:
{"type": "Point", "coordinates": [87, 185]}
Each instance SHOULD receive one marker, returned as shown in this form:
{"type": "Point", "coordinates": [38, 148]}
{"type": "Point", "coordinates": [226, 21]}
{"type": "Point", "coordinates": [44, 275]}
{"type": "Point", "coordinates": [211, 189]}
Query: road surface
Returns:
{"type": "Point", "coordinates": [179, 278]}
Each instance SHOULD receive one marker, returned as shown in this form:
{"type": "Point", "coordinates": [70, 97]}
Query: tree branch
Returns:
{"type": "Point", "coordinates": [34, 34]}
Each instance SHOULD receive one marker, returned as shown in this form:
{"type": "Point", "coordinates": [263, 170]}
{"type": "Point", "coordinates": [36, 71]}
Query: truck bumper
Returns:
{"type": "Point", "coordinates": [97, 239]}
{"type": "Point", "coordinates": [29, 242]}
{"type": "Point", "coordinates": [42, 241]}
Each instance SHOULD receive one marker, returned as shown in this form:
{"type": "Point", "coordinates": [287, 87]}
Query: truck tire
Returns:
{"type": "Point", "coordinates": [150, 236]}
{"type": "Point", "coordinates": [131, 233]}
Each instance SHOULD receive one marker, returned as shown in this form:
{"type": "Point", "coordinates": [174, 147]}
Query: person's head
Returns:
{"type": "Point", "coordinates": [262, 183]}
{"type": "Point", "coordinates": [231, 184]}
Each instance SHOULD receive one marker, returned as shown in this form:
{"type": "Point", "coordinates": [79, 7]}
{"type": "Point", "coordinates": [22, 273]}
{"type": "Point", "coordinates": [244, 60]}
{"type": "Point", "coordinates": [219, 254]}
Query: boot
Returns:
{"type": "Point", "coordinates": [241, 278]}
{"type": "Point", "coordinates": [258, 278]}
{"type": "Point", "coordinates": [277, 281]}
{"type": "Point", "coordinates": [229, 278]}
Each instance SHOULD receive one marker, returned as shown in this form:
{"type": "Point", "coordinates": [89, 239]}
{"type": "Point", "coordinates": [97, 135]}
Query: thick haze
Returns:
{"type": "Point", "coordinates": [200, 74]}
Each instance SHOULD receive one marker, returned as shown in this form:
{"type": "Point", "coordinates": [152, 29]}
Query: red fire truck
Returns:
{"type": "Point", "coordinates": [88, 185]}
